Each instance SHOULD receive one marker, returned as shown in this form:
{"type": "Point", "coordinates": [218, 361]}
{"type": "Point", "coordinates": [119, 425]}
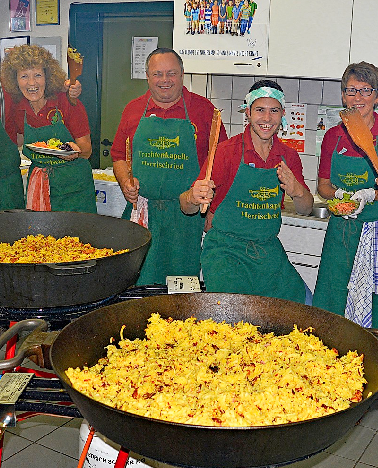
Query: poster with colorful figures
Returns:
{"type": "Point", "coordinates": [222, 36]}
{"type": "Point", "coordinates": [296, 123]}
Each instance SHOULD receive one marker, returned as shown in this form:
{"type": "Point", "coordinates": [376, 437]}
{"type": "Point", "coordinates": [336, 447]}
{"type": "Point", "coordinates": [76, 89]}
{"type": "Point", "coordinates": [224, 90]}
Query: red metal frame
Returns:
{"type": "Point", "coordinates": [10, 352]}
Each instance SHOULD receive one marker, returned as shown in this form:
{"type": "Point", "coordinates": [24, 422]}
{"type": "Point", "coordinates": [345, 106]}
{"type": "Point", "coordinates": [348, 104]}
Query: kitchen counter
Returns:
{"type": "Point", "coordinates": [291, 218]}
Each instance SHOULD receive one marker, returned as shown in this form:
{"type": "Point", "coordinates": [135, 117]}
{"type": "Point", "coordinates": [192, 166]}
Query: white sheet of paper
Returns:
{"type": "Point", "coordinates": [141, 48]}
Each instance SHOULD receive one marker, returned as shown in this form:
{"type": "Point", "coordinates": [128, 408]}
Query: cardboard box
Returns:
{"type": "Point", "coordinates": [109, 198]}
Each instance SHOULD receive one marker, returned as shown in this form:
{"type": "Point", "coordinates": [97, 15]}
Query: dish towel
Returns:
{"type": "Point", "coordinates": [363, 280]}
{"type": "Point", "coordinates": [38, 196]}
{"type": "Point", "coordinates": [140, 215]}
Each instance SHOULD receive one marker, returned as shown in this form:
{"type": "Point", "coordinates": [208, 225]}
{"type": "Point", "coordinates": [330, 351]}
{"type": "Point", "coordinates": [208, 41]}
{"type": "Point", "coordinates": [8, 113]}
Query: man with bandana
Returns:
{"type": "Point", "coordinates": [252, 171]}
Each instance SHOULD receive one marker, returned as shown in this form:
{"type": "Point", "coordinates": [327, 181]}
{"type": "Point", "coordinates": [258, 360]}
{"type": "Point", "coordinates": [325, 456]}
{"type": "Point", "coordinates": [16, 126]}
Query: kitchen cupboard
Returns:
{"type": "Point", "coordinates": [364, 32]}
{"type": "Point", "coordinates": [310, 39]}
{"type": "Point", "coordinates": [303, 246]}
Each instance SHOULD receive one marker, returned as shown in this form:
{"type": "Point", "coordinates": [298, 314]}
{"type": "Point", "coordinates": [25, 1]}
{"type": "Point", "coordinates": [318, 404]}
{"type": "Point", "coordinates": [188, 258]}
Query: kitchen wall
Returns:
{"type": "Point", "coordinates": [225, 91]}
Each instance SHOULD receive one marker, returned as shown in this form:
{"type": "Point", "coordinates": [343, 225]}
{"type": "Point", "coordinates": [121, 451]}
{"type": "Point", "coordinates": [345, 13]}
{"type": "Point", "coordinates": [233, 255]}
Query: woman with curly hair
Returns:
{"type": "Point", "coordinates": [34, 80]}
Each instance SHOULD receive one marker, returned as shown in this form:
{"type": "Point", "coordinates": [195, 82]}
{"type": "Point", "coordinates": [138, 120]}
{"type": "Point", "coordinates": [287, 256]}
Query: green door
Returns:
{"type": "Point", "coordinates": [103, 33]}
{"type": "Point", "coordinates": [117, 86]}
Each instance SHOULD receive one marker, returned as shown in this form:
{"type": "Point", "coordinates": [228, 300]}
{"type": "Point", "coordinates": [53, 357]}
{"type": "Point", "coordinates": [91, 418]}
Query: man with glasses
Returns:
{"type": "Point", "coordinates": [348, 281]}
{"type": "Point", "coordinates": [168, 129]}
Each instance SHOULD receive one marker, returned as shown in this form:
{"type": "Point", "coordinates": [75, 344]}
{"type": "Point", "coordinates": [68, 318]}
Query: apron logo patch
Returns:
{"type": "Point", "coordinates": [164, 142]}
{"type": "Point", "coordinates": [55, 117]}
{"type": "Point", "coordinates": [264, 193]}
{"type": "Point", "coordinates": [353, 179]}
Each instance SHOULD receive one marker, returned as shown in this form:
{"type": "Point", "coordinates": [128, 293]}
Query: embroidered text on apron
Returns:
{"type": "Point", "coordinates": [343, 235]}
{"type": "Point", "coordinates": [11, 186]}
{"type": "Point", "coordinates": [242, 253]}
{"type": "Point", "coordinates": [71, 182]}
{"type": "Point", "coordinates": [165, 162]}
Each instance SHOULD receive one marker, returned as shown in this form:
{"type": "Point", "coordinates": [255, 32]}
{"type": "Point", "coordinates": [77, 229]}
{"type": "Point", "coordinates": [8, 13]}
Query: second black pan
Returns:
{"type": "Point", "coordinates": [82, 343]}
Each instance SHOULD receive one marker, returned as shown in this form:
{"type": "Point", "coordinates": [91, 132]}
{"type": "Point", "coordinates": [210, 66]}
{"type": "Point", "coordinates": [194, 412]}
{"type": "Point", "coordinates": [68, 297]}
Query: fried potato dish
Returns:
{"type": "Point", "coordinates": [217, 374]}
{"type": "Point", "coordinates": [47, 249]}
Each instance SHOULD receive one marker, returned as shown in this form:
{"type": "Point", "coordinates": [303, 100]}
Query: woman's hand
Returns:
{"type": "Point", "coordinates": [71, 157]}
{"type": "Point", "coordinates": [74, 90]}
{"type": "Point", "coordinates": [363, 196]}
{"type": "Point", "coordinates": [85, 145]}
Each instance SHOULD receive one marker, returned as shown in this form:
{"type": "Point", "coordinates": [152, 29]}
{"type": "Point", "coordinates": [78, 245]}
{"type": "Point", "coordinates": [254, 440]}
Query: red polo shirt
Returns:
{"type": "Point", "coordinates": [228, 157]}
{"type": "Point", "coordinates": [200, 111]}
{"type": "Point", "coordinates": [74, 117]}
{"type": "Point", "coordinates": [331, 139]}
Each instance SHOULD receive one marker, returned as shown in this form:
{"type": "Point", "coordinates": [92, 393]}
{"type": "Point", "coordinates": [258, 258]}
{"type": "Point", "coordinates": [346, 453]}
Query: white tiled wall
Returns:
{"type": "Point", "coordinates": [227, 92]}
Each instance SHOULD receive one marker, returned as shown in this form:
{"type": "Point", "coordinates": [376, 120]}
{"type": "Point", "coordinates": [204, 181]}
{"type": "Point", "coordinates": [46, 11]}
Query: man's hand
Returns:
{"type": "Point", "coordinates": [302, 198]}
{"type": "Point", "coordinates": [130, 192]}
{"type": "Point", "coordinates": [74, 90]}
{"type": "Point", "coordinates": [202, 192]}
{"type": "Point", "coordinates": [288, 181]}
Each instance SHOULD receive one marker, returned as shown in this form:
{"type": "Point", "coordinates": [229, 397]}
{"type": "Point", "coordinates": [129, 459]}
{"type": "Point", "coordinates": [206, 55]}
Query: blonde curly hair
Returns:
{"type": "Point", "coordinates": [25, 57]}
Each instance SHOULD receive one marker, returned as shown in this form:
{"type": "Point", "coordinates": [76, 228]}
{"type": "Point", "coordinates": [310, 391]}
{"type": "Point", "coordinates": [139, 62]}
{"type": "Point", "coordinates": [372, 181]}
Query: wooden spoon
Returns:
{"type": "Point", "coordinates": [360, 133]}
{"type": "Point", "coordinates": [130, 166]}
{"type": "Point", "coordinates": [75, 68]}
{"type": "Point", "coordinates": [213, 142]}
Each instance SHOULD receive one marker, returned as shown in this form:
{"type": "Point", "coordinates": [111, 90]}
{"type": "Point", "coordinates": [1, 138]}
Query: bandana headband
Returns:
{"type": "Point", "coordinates": [266, 91]}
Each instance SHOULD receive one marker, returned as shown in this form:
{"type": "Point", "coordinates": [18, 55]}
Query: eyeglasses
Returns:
{"type": "Point", "coordinates": [169, 74]}
{"type": "Point", "coordinates": [365, 92]}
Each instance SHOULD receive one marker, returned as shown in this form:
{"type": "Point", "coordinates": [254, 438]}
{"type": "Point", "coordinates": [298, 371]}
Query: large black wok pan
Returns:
{"type": "Point", "coordinates": [82, 342]}
{"type": "Point", "coordinates": [64, 284]}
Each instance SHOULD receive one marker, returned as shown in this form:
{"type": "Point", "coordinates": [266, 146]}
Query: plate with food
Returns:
{"type": "Point", "coordinates": [344, 206]}
{"type": "Point", "coordinates": [53, 146]}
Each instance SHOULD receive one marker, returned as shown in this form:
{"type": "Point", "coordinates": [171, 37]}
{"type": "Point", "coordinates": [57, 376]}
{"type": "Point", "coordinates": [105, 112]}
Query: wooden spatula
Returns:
{"type": "Point", "coordinates": [213, 142]}
{"type": "Point", "coordinates": [360, 133]}
{"type": "Point", "coordinates": [75, 68]}
{"type": "Point", "coordinates": [130, 166]}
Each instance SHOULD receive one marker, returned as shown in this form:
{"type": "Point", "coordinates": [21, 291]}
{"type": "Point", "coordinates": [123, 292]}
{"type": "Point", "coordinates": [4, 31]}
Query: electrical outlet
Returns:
{"type": "Point", "coordinates": [183, 284]}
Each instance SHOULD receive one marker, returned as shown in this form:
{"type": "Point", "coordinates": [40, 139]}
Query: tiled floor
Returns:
{"type": "Point", "coordinates": [46, 441]}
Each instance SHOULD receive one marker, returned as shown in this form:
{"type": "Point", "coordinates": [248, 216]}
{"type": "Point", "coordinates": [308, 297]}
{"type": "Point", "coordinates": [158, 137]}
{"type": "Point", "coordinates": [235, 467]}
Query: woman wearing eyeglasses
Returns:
{"type": "Point", "coordinates": [348, 275]}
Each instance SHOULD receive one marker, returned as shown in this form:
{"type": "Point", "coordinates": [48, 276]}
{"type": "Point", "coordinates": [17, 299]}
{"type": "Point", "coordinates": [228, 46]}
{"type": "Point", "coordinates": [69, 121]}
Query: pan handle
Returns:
{"type": "Point", "coordinates": [68, 269]}
{"type": "Point", "coordinates": [36, 325]}
{"type": "Point", "coordinates": [373, 331]}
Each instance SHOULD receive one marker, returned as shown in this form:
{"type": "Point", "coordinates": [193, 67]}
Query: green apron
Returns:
{"type": "Point", "coordinates": [242, 253]}
{"type": "Point", "coordinates": [165, 162]}
{"type": "Point", "coordinates": [71, 182]}
{"type": "Point", "coordinates": [11, 186]}
{"type": "Point", "coordinates": [343, 235]}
